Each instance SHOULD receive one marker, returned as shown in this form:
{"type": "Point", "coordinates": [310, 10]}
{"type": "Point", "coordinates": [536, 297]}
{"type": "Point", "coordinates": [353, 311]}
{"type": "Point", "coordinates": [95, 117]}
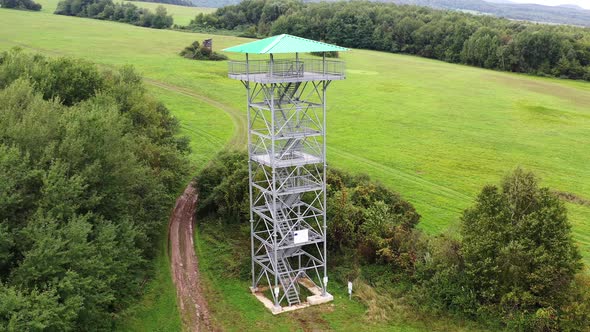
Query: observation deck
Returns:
{"type": "Point", "coordinates": [286, 70]}
{"type": "Point", "coordinates": [287, 165]}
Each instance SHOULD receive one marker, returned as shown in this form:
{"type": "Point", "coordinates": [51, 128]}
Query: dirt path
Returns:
{"type": "Point", "coordinates": [185, 274]}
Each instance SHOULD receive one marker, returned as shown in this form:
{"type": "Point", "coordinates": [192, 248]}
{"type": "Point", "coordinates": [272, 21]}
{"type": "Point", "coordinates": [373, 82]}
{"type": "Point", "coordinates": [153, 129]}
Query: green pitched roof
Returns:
{"type": "Point", "coordinates": [284, 44]}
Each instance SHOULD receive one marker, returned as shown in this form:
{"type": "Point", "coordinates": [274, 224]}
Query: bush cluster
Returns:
{"type": "Point", "coordinates": [197, 52]}
{"type": "Point", "coordinates": [121, 12]}
{"type": "Point", "coordinates": [90, 165]}
{"type": "Point", "coordinates": [483, 41]}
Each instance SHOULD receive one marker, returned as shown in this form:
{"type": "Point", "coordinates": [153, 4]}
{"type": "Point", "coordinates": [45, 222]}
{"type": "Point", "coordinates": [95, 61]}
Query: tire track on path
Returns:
{"type": "Point", "coordinates": [193, 307]}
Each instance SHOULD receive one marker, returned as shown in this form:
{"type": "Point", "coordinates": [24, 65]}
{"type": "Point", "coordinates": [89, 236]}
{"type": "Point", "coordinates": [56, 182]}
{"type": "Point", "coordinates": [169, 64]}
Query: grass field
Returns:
{"type": "Point", "coordinates": [156, 310]}
{"type": "Point", "coordinates": [235, 309]}
{"type": "Point", "coordinates": [435, 132]}
{"type": "Point", "coordinates": [182, 15]}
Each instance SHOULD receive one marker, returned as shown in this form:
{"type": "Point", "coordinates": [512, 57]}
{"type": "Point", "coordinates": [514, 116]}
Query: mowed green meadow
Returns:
{"type": "Point", "coordinates": [182, 15]}
{"type": "Point", "coordinates": [435, 132]}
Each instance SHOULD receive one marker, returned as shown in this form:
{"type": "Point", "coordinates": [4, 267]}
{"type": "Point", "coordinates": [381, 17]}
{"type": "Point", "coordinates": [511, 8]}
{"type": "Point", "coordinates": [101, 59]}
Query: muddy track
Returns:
{"type": "Point", "coordinates": [184, 264]}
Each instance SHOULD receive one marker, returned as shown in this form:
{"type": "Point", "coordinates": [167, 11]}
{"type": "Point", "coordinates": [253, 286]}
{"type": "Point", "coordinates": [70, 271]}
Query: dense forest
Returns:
{"type": "Point", "coordinates": [565, 14]}
{"type": "Point", "coordinates": [20, 4]}
{"type": "Point", "coordinates": [483, 41]}
{"type": "Point", "coordinates": [515, 265]}
{"type": "Point", "coordinates": [120, 12]}
{"type": "Point", "coordinates": [90, 165]}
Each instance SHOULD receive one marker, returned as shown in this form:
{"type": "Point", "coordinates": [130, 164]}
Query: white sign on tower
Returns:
{"type": "Point", "coordinates": [301, 236]}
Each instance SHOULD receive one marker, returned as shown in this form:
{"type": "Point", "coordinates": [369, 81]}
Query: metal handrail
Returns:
{"type": "Point", "coordinates": [287, 67]}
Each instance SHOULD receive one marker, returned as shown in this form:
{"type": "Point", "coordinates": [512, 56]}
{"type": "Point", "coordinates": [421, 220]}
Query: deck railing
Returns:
{"type": "Point", "coordinates": [282, 68]}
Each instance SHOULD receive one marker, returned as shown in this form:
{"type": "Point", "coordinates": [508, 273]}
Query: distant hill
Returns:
{"type": "Point", "coordinates": [499, 1]}
{"type": "Point", "coordinates": [187, 3]}
{"type": "Point", "coordinates": [572, 6]}
{"type": "Point", "coordinates": [565, 14]}
{"type": "Point", "coordinates": [568, 14]}
{"type": "Point", "coordinates": [214, 3]}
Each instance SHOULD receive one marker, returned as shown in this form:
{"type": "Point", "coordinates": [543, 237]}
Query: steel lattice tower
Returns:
{"type": "Point", "coordinates": [287, 165]}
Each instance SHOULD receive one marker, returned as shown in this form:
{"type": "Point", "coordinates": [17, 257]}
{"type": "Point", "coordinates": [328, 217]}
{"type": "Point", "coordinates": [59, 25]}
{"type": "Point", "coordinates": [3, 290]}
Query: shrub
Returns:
{"type": "Point", "coordinates": [197, 52]}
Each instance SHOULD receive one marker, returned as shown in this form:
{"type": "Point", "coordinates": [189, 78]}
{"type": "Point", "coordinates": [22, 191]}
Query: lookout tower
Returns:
{"type": "Point", "coordinates": [286, 98]}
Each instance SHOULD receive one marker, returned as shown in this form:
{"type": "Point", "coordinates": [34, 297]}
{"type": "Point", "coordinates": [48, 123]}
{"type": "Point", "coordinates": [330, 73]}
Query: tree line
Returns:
{"type": "Point", "coordinates": [20, 4]}
{"type": "Point", "coordinates": [90, 165]}
{"type": "Point", "coordinates": [513, 265]}
{"type": "Point", "coordinates": [482, 41]}
{"type": "Point", "coordinates": [120, 12]}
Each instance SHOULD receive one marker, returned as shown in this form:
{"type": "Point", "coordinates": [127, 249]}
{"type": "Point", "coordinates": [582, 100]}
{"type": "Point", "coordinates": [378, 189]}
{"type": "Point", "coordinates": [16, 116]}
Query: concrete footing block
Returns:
{"type": "Point", "coordinates": [315, 299]}
{"type": "Point", "coordinates": [320, 299]}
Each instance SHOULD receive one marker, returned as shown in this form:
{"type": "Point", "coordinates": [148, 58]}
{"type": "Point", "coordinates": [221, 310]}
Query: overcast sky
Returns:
{"type": "Point", "coordinates": [581, 3]}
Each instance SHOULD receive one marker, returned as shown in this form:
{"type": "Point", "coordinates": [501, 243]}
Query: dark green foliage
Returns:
{"type": "Point", "coordinates": [120, 12]}
{"type": "Point", "coordinates": [483, 41]}
{"type": "Point", "coordinates": [70, 80]}
{"type": "Point", "coordinates": [331, 54]}
{"type": "Point", "coordinates": [517, 261]}
{"type": "Point", "coordinates": [197, 52]}
{"type": "Point", "coordinates": [518, 248]}
{"type": "Point", "coordinates": [20, 4]}
{"type": "Point", "coordinates": [84, 189]}
{"type": "Point", "coordinates": [223, 187]}
{"type": "Point", "coordinates": [371, 222]}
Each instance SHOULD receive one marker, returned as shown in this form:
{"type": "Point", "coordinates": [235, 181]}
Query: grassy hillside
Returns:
{"type": "Point", "coordinates": [433, 131]}
{"type": "Point", "coordinates": [436, 132]}
{"type": "Point", "coordinates": [182, 15]}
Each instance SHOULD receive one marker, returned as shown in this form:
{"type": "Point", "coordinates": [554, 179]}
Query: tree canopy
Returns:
{"type": "Point", "coordinates": [89, 167]}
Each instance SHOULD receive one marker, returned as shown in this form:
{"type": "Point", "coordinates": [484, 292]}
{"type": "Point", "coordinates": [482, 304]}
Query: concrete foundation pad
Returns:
{"type": "Point", "coordinates": [315, 299]}
{"type": "Point", "coordinates": [319, 299]}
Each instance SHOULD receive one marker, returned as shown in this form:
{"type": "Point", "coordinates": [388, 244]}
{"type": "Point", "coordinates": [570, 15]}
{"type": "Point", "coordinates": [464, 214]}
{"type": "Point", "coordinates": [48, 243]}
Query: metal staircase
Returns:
{"type": "Point", "coordinates": [287, 93]}
{"type": "Point", "coordinates": [288, 280]}
{"type": "Point", "coordinates": [287, 277]}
